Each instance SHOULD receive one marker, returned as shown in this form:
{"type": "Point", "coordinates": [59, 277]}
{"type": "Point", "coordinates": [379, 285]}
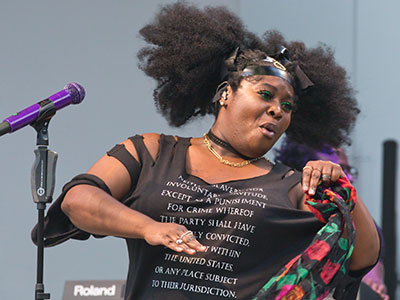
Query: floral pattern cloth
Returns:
{"type": "Point", "coordinates": [314, 273]}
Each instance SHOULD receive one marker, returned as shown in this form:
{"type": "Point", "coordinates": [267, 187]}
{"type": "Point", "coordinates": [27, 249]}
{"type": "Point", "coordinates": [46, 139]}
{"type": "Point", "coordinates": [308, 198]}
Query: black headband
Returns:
{"type": "Point", "coordinates": [274, 66]}
{"type": "Point", "coordinates": [271, 65]}
{"type": "Point", "coordinates": [268, 70]}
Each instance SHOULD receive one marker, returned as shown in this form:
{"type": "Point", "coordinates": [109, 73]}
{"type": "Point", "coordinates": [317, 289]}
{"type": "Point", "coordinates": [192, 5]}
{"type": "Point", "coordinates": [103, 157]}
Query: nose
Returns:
{"type": "Point", "coordinates": [275, 111]}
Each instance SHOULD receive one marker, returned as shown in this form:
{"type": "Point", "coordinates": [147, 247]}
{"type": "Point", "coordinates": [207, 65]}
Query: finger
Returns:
{"type": "Point", "coordinates": [178, 245]}
{"type": "Point", "coordinates": [188, 249]}
{"type": "Point", "coordinates": [326, 176]}
{"type": "Point", "coordinates": [173, 238]}
{"type": "Point", "coordinates": [381, 288]}
{"type": "Point", "coordinates": [314, 181]}
{"type": "Point", "coordinates": [174, 246]}
{"type": "Point", "coordinates": [337, 172]}
{"type": "Point", "coordinates": [188, 242]}
{"type": "Point", "coordinates": [193, 243]}
{"type": "Point", "coordinates": [375, 287]}
{"type": "Point", "coordinates": [307, 170]}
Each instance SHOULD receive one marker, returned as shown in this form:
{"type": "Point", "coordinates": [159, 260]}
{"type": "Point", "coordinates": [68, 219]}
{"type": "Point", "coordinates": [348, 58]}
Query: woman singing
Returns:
{"type": "Point", "coordinates": [209, 217]}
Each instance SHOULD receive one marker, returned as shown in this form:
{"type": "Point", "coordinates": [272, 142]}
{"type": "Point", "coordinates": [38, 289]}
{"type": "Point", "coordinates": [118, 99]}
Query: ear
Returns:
{"type": "Point", "coordinates": [229, 93]}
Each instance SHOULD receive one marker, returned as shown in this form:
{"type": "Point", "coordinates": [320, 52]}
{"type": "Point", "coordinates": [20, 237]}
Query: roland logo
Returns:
{"type": "Point", "coordinates": [80, 290]}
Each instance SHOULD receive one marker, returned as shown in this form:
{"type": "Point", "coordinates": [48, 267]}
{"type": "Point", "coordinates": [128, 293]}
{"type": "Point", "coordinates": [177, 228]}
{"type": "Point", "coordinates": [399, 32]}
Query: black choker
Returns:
{"type": "Point", "coordinates": [224, 144]}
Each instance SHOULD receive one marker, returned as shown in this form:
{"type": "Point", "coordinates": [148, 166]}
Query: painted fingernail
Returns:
{"type": "Point", "coordinates": [311, 191]}
{"type": "Point", "coordinates": [305, 187]}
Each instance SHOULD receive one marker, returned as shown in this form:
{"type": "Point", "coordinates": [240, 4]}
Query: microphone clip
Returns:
{"type": "Point", "coordinates": [44, 167]}
{"type": "Point", "coordinates": [46, 112]}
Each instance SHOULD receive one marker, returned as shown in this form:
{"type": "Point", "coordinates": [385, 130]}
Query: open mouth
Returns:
{"type": "Point", "coordinates": [269, 130]}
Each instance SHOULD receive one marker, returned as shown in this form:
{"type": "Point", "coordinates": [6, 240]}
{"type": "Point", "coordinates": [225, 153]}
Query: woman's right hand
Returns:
{"type": "Point", "coordinates": [174, 236]}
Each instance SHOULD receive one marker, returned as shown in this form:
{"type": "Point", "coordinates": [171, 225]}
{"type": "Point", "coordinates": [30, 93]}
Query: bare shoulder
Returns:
{"type": "Point", "coordinates": [151, 141]}
{"type": "Point", "coordinates": [114, 173]}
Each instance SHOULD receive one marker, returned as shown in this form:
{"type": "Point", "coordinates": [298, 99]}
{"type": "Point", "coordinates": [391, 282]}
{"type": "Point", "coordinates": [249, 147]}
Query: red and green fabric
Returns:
{"type": "Point", "coordinates": [318, 270]}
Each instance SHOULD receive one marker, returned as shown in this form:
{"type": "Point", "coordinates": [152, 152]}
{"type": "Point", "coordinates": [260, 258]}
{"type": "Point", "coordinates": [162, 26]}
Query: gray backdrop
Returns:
{"type": "Point", "coordinates": [46, 44]}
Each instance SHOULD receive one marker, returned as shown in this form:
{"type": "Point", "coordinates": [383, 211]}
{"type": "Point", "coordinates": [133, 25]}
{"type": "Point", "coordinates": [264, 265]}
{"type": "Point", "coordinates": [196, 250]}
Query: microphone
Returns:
{"type": "Point", "coordinates": [73, 93]}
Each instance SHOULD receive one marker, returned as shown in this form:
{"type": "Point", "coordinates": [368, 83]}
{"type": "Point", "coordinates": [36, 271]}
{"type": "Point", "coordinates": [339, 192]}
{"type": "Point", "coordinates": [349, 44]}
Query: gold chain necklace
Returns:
{"type": "Point", "coordinates": [224, 161]}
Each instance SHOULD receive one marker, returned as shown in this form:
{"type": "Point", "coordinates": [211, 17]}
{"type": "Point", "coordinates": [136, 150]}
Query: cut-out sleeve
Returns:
{"type": "Point", "coordinates": [57, 226]}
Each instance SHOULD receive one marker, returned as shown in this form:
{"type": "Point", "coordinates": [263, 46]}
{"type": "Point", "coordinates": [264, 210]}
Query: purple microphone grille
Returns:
{"type": "Point", "coordinates": [77, 92]}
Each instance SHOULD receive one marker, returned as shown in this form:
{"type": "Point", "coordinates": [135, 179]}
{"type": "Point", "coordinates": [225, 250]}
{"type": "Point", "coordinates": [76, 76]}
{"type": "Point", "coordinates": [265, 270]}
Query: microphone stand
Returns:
{"type": "Point", "coordinates": [42, 186]}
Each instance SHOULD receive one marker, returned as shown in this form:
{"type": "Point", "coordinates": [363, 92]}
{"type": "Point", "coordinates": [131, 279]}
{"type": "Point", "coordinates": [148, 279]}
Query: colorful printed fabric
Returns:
{"type": "Point", "coordinates": [317, 271]}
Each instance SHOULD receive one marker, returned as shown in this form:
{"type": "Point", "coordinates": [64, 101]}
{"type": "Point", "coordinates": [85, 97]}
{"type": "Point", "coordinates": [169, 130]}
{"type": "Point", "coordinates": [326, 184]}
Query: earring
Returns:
{"type": "Point", "coordinates": [225, 95]}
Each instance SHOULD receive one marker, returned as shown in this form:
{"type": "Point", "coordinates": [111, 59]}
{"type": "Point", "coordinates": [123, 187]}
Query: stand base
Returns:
{"type": "Point", "coordinates": [39, 292]}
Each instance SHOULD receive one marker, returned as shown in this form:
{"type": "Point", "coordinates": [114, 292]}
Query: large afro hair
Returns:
{"type": "Point", "coordinates": [187, 47]}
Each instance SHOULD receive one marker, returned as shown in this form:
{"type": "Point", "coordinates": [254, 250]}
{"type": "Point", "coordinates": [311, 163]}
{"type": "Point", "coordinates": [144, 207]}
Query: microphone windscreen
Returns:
{"type": "Point", "coordinates": [77, 91]}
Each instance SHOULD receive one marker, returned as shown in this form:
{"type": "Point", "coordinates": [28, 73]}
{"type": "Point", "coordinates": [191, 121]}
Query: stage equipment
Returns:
{"type": "Point", "coordinates": [94, 289]}
{"type": "Point", "coordinates": [73, 93]}
{"type": "Point", "coordinates": [43, 169]}
{"type": "Point", "coordinates": [389, 215]}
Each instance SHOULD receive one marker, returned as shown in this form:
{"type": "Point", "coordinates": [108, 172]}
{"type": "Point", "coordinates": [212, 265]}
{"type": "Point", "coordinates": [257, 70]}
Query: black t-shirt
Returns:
{"type": "Point", "coordinates": [249, 226]}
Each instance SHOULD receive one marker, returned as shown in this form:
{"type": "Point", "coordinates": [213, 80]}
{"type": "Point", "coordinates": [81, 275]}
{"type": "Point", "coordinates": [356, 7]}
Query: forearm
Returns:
{"type": "Point", "coordinates": [95, 211]}
{"type": "Point", "coordinates": [366, 246]}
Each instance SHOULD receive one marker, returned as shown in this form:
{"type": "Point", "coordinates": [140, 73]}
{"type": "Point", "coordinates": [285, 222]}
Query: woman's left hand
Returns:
{"type": "Point", "coordinates": [320, 170]}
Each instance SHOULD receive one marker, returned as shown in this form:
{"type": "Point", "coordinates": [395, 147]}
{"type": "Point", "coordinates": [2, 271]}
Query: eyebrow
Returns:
{"type": "Point", "coordinates": [267, 85]}
{"type": "Point", "coordinates": [264, 84]}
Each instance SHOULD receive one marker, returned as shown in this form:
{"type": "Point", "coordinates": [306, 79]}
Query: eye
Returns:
{"type": "Point", "coordinates": [287, 106]}
{"type": "Point", "coordinates": [266, 95]}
